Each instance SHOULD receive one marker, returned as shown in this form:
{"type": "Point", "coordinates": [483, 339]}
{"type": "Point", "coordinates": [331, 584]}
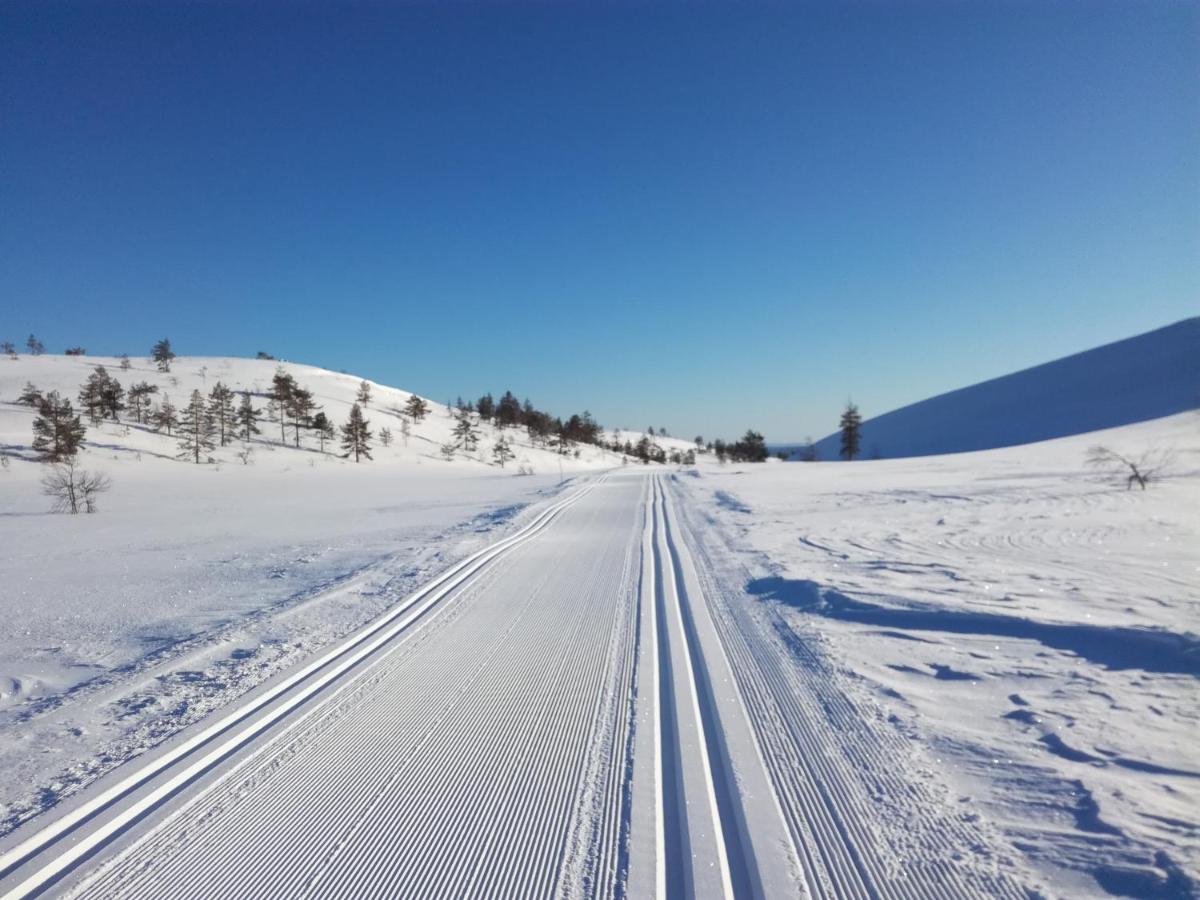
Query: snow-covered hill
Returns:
{"type": "Point", "coordinates": [1141, 378]}
{"type": "Point", "coordinates": [333, 392]}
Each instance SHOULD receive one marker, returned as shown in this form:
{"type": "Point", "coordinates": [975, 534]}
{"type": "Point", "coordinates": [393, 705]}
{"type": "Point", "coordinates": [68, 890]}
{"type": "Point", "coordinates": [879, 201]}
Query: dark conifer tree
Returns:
{"type": "Point", "coordinates": [31, 396]}
{"type": "Point", "coordinates": [300, 407]}
{"type": "Point", "coordinates": [57, 431]}
{"type": "Point", "coordinates": [34, 346]}
{"type": "Point", "coordinates": [486, 407]}
{"type": "Point", "coordinates": [282, 387]}
{"type": "Point", "coordinates": [508, 411]}
{"type": "Point", "coordinates": [162, 355]}
{"type": "Point", "coordinates": [224, 416]}
{"type": "Point", "coordinates": [465, 433]}
{"type": "Point", "coordinates": [356, 437]}
{"type": "Point", "coordinates": [247, 418]}
{"type": "Point", "coordinates": [324, 429]}
{"type": "Point", "coordinates": [9, 349]}
{"type": "Point", "coordinates": [197, 435]}
{"type": "Point", "coordinates": [166, 417]}
{"type": "Point", "coordinates": [416, 408]}
{"type": "Point", "coordinates": [851, 427]}
{"type": "Point", "coordinates": [139, 400]}
{"type": "Point", "coordinates": [364, 394]}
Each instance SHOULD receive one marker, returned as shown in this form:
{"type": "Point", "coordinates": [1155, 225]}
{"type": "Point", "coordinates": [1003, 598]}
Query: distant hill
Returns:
{"type": "Point", "coordinates": [1144, 377]}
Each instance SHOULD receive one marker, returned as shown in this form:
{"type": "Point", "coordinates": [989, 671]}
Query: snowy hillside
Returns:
{"type": "Point", "coordinates": [1144, 377]}
{"type": "Point", "coordinates": [1009, 621]}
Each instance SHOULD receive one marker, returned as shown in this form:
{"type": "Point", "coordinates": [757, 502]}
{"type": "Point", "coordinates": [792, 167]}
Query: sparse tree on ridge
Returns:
{"type": "Point", "coordinates": [197, 434]}
{"type": "Point", "coordinates": [356, 437]}
{"type": "Point", "coordinates": [57, 432]}
{"type": "Point", "coordinates": [851, 428]}
{"type": "Point", "coordinates": [166, 417]}
{"type": "Point", "coordinates": [162, 355]}
{"type": "Point", "coordinates": [364, 394]}
{"type": "Point", "coordinates": [247, 418]}
{"type": "Point", "coordinates": [9, 349]}
{"type": "Point", "coordinates": [125, 364]}
{"type": "Point", "coordinates": [385, 437]}
{"type": "Point", "coordinates": [322, 425]}
{"type": "Point", "coordinates": [502, 452]}
{"type": "Point", "coordinates": [75, 351]}
{"type": "Point", "coordinates": [34, 346]}
{"type": "Point", "coordinates": [220, 407]}
{"type": "Point", "coordinates": [416, 408]}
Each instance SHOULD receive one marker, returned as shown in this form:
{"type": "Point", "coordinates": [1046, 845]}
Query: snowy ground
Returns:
{"type": "Point", "coordinates": [194, 583]}
{"type": "Point", "coordinates": [1029, 628]}
{"type": "Point", "coordinates": [950, 677]}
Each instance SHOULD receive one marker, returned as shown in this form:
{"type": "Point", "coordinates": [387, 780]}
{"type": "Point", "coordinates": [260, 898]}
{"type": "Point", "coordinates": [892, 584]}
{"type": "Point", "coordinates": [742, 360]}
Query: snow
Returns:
{"type": "Point", "coordinates": [1028, 625]}
{"type": "Point", "coordinates": [194, 583]}
{"type": "Point", "coordinates": [969, 675]}
{"type": "Point", "coordinates": [1145, 377]}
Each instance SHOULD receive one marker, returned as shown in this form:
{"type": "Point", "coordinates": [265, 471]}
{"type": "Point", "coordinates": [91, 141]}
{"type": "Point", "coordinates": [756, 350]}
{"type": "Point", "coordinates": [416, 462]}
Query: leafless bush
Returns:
{"type": "Point", "coordinates": [1140, 470]}
{"type": "Point", "coordinates": [245, 455]}
{"type": "Point", "coordinates": [73, 489]}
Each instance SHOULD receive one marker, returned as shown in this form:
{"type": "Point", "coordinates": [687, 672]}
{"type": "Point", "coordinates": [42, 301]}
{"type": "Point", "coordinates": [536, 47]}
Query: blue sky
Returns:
{"type": "Point", "coordinates": [702, 216]}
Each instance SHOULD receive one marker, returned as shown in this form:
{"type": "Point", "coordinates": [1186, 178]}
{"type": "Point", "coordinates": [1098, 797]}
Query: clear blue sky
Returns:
{"type": "Point", "coordinates": [701, 216]}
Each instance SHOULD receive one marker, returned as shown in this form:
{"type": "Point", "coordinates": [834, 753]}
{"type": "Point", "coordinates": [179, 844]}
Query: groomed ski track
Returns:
{"type": "Point", "coordinates": [569, 712]}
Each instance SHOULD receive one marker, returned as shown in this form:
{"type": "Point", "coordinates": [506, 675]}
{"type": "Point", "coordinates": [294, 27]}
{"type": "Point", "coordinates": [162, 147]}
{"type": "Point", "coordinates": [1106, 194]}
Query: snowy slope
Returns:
{"type": "Point", "coordinates": [1144, 377]}
{"type": "Point", "coordinates": [231, 566]}
{"type": "Point", "coordinates": [1019, 627]}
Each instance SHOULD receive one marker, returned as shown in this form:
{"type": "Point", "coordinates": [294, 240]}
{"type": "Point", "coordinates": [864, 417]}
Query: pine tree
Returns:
{"type": "Point", "coordinates": [508, 411]}
{"type": "Point", "coordinates": [465, 434]}
{"type": "Point", "coordinates": [162, 354]}
{"type": "Point", "coordinates": [282, 387]}
{"type": "Point", "coordinates": [139, 400]}
{"type": "Point", "coordinates": [57, 431]}
{"type": "Point", "coordinates": [220, 407]}
{"type": "Point", "coordinates": [385, 436]}
{"type": "Point", "coordinates": [9, 349]}
{"type": "Point", "coordinates": [502, 452]}
{"type": "Point", "coordinates": [364, 394]}
{"type": "Point", "coordinates": [247, 418]}
{"type": "Point", "coordinates": [102, 396]}
{"type": "Point", "coordinates": [405, 431]}
{"type": "Point", "coordinates": [166, 416]}
{"type": "Point", "coordinates": [196, 430]}
{"type": "Point", "coordinates": [851, 426]}
{"type": "Point", "coordinates": [416, 408]}
{"type": "Point", "coordinates": [34, 346]}
{"type": "Point", "coordinates": [356, 438]}
{"type": "Point", "coordinates": [486, 407]}
{"type": "Point", "coordinates": [300, 407]}
{"type": "Point", "coordinates": [125, 365]}
{"type": "Point", "coordinates": [31, 396]}
{"type": "Point", "coordinates": [324, 429]}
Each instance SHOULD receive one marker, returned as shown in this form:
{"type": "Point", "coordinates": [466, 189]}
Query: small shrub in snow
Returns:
{"type": "Point", "coordinates": [1139, 470]}
{"type": "Point", "coordinates": [73, 489]}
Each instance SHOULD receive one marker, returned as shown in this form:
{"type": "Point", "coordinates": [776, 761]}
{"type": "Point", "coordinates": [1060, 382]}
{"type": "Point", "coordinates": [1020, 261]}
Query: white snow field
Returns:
{"type": "Point", "coordinates": [945, 677]}
{"type": "Point", "coordinates": [1005, 635]}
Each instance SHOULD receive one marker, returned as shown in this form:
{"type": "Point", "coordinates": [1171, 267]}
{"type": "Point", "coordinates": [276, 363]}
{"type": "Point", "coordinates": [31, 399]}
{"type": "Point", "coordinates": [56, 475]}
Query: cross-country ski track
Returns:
{"type": "Point", "coordinates": [582, 708]}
